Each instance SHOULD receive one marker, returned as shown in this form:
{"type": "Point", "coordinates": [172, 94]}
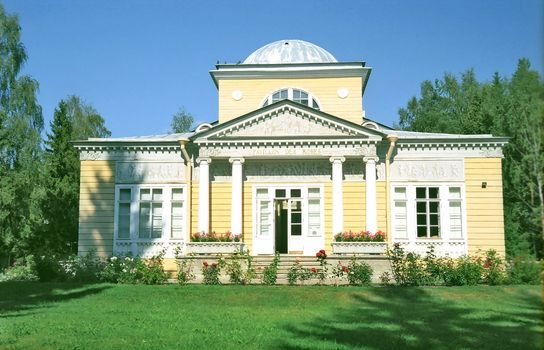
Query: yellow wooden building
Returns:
{"type": "Point", "coordinates": [291, 161]}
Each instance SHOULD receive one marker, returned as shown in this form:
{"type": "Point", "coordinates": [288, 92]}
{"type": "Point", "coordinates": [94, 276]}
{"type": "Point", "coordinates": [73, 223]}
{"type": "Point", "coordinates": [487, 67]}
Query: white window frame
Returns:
{"type": "Point", "coordinates": [311, 97]}
{"type": "Point", "coordinates": [135, 212]}
{"type": "Point", "coordinates": [444, 212]}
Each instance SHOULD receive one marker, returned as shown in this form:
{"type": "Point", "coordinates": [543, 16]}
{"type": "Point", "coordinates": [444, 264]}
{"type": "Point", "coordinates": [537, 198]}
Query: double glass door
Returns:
{"type": "Point", "coordinates": [288, 220]}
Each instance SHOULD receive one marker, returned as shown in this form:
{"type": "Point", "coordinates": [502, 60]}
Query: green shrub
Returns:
{"type": "Point", "coordinates": [298, 273]}
{"type": "Point", "coordinates": [239, 268]}
{"type": "Point", "coordinates": [360, 273]}
{"type": "Point", "coordinates": [22, 270]}
{"type": "Point", "coordinates": [270, 273]}
{"type": "Point", "coordinates": [211, 273]}
{"type": "Point", "coordinates": [462, 271]}
{"type": "Point", "coordinates": [524, 270]}
{"type": "Point", "coordinates": [81, 268]}
{"type": "Point", "coordinates": [185, 271]}
{"type": "Point", "coordinates": [48, 268]}
{"type": "Point", "coordinates": [134, 270]}
{"type": "Point", "coordinates": [494, 270]}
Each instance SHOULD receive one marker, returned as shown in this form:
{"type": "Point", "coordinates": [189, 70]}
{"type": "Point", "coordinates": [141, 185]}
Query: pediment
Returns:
{"type": "Point", "coordinates": [288, 120]}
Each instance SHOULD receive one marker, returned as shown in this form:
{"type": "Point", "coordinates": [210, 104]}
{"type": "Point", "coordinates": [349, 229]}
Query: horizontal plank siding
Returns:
{"type": "Point", "coordinates": [484, 206]}
{"type": "Point", "coordinates": [96, 203]}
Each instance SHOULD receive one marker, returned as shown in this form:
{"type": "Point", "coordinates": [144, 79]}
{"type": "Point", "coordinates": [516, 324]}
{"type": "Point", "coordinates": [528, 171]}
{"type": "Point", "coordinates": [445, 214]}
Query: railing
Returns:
{"type": "Point", "coordinates": [147, 248]}
{"type": "Point", "coordinates": [452, 249]}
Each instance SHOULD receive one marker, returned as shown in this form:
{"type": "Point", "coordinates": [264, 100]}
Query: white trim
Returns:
{"type": "Point", "coordinates": [134, 241]}
{"type": "Point", "coordinates": [413, 243]}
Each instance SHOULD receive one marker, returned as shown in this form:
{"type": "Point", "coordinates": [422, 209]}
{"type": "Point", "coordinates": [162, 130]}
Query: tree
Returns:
{"type": "Point", "coordinates": [509, 107]}
{"type": "Point", "coordinates": [21, 124]}
{"type": "Point", "coordinates": [182, 121]}
{"type": "Point", "coordinates": [73, 119]}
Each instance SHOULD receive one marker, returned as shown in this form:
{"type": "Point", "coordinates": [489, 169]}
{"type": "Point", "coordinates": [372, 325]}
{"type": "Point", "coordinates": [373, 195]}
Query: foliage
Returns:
{"type": "Point", "coordinates": [385, 278]}
{"type": "Point", "coordinates": [182, 121]}
{"type": "Point", "coordinates": [135, 270]}
{"type": "Point", "coordinates": [211, 273]}
{"type": "Point", "coordinates": [324, 266]}
{"type": "Point", "coordinates": [494, 269]}
{"type": "Point", "coordinates": [23, 269]}
{"type": "Point", "coordinates": [270, 273]}
{"type": "Point", "coordinates": [512, 107]}
{"type": "Point", "coordinates": [185, 271]}
{"type": "Point", "coordinates": [81, 268]}
{"type": "Point", "coordinates": [297, 272]}
{"type": "Point", "coordinates": [524, 270]}
{"type": "Point", "coordinates": [363, 236]}
{"type": "Point", "coordinates": [21, 124]}
{"type": "Point", "coordinates": [360, 273]}
{"type": "Point", "coordinates": [215, 237]}
{"type": "Point", "coordinates": [462, 272]}
{"type": "Point", "coordinates": [239, 268]}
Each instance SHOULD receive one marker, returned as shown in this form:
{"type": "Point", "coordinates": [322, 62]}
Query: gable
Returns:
{"type": "Point", "coordinates": [287, 119]}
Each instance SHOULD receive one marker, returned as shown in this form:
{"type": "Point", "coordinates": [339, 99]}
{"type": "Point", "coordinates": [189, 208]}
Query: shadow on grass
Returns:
{"type": "Point", "coordinates": [412, 318]}
{"type": "Point", "coordinates": [21, 298]}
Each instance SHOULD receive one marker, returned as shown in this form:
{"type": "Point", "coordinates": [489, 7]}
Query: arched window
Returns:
{"type": "Point", "coordinates": [296, 95]}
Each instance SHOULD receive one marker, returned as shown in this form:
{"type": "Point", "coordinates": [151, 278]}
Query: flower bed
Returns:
{"type": "Point", "coordinates": [363, 242]}
{"type": "Point", "coordinates": [359, 247]}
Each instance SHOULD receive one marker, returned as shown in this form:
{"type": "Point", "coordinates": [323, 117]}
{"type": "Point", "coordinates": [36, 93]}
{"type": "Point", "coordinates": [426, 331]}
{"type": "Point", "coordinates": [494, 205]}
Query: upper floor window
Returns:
{"type": "Point", "coordinates": [295, 95]}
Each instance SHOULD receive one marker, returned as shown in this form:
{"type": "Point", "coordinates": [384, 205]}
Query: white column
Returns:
{"type": "Point", "coordinates": [237, 185]}
{"type": "Point", "coordinates": [204, 195]}
{"type": "Point", "coordinates": [337, 195]}
{"type": "Point", "coordinates": [370, 180]}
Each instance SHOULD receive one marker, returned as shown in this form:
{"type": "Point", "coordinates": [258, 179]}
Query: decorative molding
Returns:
{"type": "Point", "coordinates": [427, 170]}
{"type": "Point", "coordinates": [336, 159]}
{"type": "Point", "coordinates": [236, 160]}
{"type": "Point", "coordinates": [289, 149]}
{"type": "Point", "coordinates": [143, 154]}
{"type": "Point", "coordinates": [150, 172]}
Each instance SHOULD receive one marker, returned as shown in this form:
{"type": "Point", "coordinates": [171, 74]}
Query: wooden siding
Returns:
{"type": "Point", "coordinates": [484, 206]}
{"type": "Point", "coordinates": [96, 207]}
{"type": "Point", "coordinates": [324, 89]}
{"type": "Point", "coordinates": [220, 206]}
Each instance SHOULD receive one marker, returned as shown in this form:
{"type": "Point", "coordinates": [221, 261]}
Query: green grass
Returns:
{"type": "Point", "coordinates": [71, 316]}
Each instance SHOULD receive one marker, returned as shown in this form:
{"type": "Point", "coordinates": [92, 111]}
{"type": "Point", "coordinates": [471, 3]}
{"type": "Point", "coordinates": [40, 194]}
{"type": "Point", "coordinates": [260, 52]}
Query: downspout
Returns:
{"type": "Point", "coordinates": [392, 141]}
{"type": "Point", "coordinates": [189, 182]}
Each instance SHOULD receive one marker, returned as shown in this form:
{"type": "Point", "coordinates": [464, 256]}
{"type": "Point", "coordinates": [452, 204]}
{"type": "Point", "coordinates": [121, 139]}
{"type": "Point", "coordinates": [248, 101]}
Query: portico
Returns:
{"type": "Point", "coordinates": [308, 152]}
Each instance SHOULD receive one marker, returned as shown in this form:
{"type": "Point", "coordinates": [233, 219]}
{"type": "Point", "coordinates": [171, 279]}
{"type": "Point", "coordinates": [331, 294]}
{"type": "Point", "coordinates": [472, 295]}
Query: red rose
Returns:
{"type": "Point", "coordinates": [345, 269]}
{"type": "Point", "coordinates": [314, 270]}
{"type": "Point", "coordinates": [322, 251]}
{"type": "Point", "coordinates": [205, 263]}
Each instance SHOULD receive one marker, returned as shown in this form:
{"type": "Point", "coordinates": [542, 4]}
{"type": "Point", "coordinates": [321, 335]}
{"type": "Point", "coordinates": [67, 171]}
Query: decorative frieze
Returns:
{"type": "Point", "coordinates": [287, 149]}
{"type": "Point", "coordinates": [427, 170]}
{"type": "Point", "coordinates": [132, 155]}
{"type": "Point", "coordinates": [150, 172]}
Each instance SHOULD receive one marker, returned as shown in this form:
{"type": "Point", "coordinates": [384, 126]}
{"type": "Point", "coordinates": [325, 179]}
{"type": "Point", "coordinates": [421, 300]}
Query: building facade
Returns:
{"type": "Point", "coordinates": [291, 161]}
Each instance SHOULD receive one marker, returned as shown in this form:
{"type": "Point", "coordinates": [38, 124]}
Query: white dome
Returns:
{"type": "Point", "coordinates": [290, 51]}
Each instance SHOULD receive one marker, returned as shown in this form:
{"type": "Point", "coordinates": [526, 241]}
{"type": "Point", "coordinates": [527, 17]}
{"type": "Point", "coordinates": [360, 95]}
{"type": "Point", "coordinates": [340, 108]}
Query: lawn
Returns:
{"type": "Point", "coordinates": [104, 316]}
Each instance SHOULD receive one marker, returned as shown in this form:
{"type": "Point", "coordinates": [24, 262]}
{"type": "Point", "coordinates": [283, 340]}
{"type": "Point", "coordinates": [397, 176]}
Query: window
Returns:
{"type": "Point", "coordinates": [264, 215]}
{"type": "Point", "coordinates": [156, 212]}
{"type": "Point", "coordinates": [295, 95]}
{"type": "Point", "coordinates": [296, 217]}
{"type": "Point", "coordinates": [314, 212]}
{"type": "Point", "coordinates": [456, 225]}
{"type": "Point", "coordinates": [400, 213]}
{"type": "Point", "coordinates": [427, 211]}
{"type": "Point", "coordinates": [123, 213]}
{"type": "Point", "coordinates": [150, 213]}
{"type": "Point", "coordinates": [177, 214]}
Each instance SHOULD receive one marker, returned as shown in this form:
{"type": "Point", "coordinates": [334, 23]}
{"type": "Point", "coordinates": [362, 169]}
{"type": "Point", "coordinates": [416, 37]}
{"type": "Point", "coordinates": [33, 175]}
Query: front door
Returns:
{"type": "Point", "coordinates": [281, 219]}
{"type": "Point", "coordinates": [288, 219]}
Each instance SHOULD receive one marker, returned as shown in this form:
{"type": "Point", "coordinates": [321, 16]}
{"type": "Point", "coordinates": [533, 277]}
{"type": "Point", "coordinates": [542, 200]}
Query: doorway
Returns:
{"type": "Point", "coordinates": [281, 222]}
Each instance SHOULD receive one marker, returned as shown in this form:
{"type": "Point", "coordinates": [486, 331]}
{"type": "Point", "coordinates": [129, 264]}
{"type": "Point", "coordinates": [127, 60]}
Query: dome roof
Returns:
{"type": "Point", "coordinates": [290, 51]}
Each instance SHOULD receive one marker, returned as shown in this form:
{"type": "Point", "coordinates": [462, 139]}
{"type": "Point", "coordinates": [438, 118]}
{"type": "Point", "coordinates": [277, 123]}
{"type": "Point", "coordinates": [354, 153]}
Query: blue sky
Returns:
{"type": "Point", "coordinates": [137, 62]}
